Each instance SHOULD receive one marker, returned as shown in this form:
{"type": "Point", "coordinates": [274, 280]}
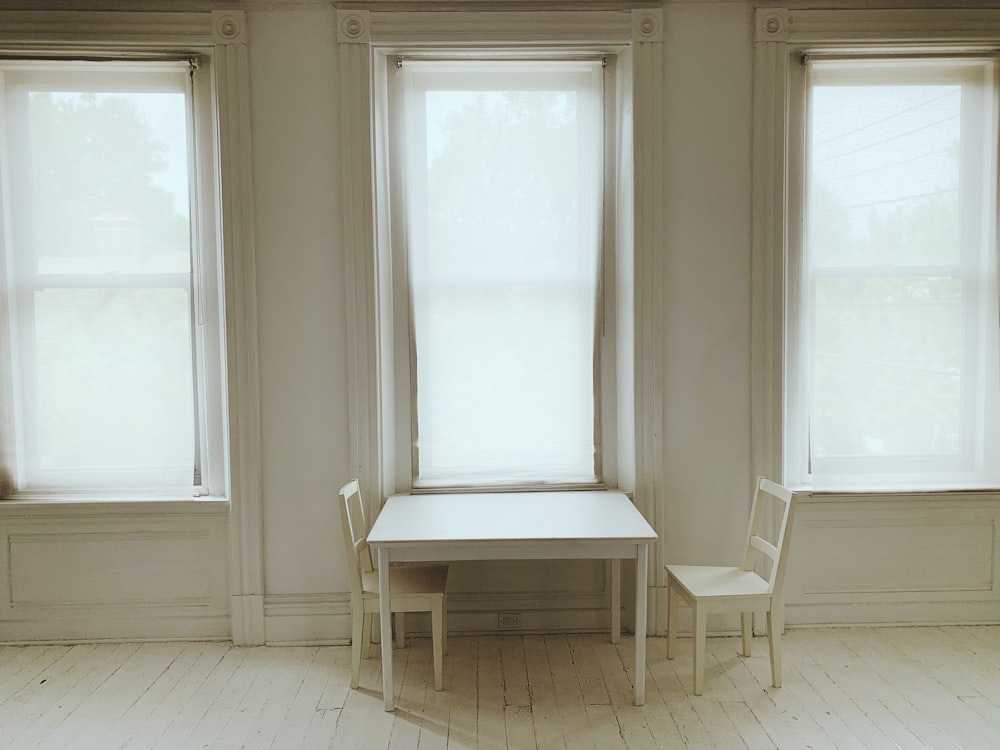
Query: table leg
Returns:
{"type": "Point", "coordinates": [616, 600]}
{"type": "Point", "coordinates": [641, 572]}
{"type": "Point", "coordinates": [385, 623]}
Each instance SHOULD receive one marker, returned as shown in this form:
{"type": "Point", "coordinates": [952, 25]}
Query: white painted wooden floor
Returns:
{"type": "Point", "coordinates": [927, 687]}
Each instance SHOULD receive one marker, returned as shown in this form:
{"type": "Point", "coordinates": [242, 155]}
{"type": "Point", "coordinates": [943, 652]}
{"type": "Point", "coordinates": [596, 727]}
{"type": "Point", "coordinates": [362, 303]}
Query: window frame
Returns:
{"type": "Point", "coordinates": [217, 41]}
{"type": "Point", "coordinates": [782, 37]}
{"type": "Point", "coordinates": [395, 299]}
{"type": "Point", "coordinates": [638, 37]}
{"type": "Point", "coordinates": [966, 468]}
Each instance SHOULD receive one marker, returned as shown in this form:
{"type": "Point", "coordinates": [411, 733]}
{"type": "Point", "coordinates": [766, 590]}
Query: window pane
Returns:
{"type": "Point", "coordinates": [885, 175]}
{"type": "Point", "coordinates": [504, 218]}
{"type": "Point", "coordinates": [114, 383]}
{"type": "Point", "coordinates": [109, 182]}
{"type": "Point", "coordinates": [888, 367]}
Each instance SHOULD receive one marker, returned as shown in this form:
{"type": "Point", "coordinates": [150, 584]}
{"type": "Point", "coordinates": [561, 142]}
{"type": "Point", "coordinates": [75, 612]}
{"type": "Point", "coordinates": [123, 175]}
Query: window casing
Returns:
{"type": "Point", "coordinates": [892, 379]}
{"type": "Point", "coordinates": [561, 280]}
{"type": "Point", "coordinates": [114, 348]}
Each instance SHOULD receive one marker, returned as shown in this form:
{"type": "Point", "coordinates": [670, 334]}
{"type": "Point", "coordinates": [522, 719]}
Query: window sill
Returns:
{"type": "Point", "coordinates": [91, 505]}
{"type": "Point", "coordinates": [891, 496]}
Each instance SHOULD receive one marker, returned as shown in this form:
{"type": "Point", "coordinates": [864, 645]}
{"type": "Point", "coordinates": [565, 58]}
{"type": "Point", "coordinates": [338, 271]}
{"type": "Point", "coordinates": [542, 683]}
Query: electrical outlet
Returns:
{"type": "Point", "coordinates": [509, 620]}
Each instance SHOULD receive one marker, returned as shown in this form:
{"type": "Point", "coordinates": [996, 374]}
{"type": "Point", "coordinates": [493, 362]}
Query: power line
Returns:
{"type": "Point", "coordinates": [893, 137]}
{"type": "Point", "coordinates": [887, 166]}
{"type": "Point", "coordinates": [897, 113]}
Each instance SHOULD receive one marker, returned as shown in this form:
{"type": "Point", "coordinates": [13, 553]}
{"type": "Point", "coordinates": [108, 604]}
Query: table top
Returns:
{"type": "Point", "coordinates": [589, 516]}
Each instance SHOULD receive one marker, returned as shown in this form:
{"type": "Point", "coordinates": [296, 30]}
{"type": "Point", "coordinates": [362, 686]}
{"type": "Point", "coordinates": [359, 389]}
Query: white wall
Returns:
{"type": "Point", "coordinates": [706, 338]}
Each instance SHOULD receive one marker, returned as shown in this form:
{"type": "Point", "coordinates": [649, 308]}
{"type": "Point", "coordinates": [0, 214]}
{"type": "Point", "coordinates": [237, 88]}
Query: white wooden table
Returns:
{"type": "Point", "coordinates": [515, 526]}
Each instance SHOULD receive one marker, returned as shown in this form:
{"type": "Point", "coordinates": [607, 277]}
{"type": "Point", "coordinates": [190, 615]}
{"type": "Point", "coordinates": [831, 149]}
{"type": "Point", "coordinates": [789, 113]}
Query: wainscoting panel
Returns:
{"type": "Point", "coordinates": [911, 559]}
{"type": "Point", "coordinates": [113, 571]}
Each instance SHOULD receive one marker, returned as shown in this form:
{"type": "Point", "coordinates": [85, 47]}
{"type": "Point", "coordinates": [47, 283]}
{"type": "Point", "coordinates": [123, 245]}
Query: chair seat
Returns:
{"type": "Point", "coordinates": [712, 581]}
{"type": "Point", "coordinates": [409, 580]}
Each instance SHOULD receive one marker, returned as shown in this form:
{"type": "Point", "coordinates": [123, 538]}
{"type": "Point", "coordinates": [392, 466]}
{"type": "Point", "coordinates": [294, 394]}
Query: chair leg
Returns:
{"type": "Point", "coordinates": [444, 624]}
{"type": "Point", "coordinates": [437, 636]}
{"type": "Point", "coordinates": [366, 635]}
{"type": "Point", "coordinates": [357, 634]}
{"type": "Point", "coordinates": [700, 626]}
{"type": "Point", "coordinates": [774, 627]}
{"type": "Point", "coordinates": [747, 622]}
{"type": "Point", "coordinates": [672, 598]}
{"type": "Point", "coordinates": [400, 630]}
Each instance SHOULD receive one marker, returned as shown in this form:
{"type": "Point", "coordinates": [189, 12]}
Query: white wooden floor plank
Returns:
{"type": "Point", "coordinates": [304, 714]}
{"type": "Point", "coordinates": [844, 688]}
{"type": "Point", "coordinates": [867, 690]}
{"type": "Point", "coordinates": [943, 717]}
{"type": "Point", "coordinates": [491, 733]}
{"type": "Point", "coordinates": [545, 716]}
{"type": "Point", "coordinates": [137, 727]}
{"type": "Point", "coordinates": [278, 684]}
{"type": "Point", "coordinates": [843, 721]}
{"type": "Point", "coordinates": [202, 699]}
{"type": "Point", "coordinates": [752, 734]}
{"type": "Point", "coordinates": [568, 694]}
{"type": "Point", "coordinates": [189, 673]}
{"type": "Point", "coordinates": [961, 660]}
{"type": "Point", "coordinates": [659, 720]}
{"type": "Point", "coordinates": [104, 692]}
{"type": "Point", "coordinates": [515, 672]}
{"type": "Point", "coordinates": [461, 681]}
{"type": "Point", "coordinates": [363, 723]}
{"type": "Point", "coordinates": [121, 693]}
{"type": "Point", "coordinates": [615, 670]}
{"type": "Point", "coordinates": [24, 716]}
{"type": "Point", "coordinates": [220, 712]}
{"type": "Point", "coordinates": [689, 724]}
{"type": "Point", "coordinates": [588, 670]}
{"type": "Point", "coordinates": [415, 681]}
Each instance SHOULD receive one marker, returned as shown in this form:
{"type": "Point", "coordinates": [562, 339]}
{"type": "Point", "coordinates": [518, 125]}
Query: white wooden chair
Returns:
{"type": "Point", "coordinates": [737, 590]}
{"type": "Point", "coordinates": [413, 588]}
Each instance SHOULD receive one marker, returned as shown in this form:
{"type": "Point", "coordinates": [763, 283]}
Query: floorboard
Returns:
{"type": "Point", "coordinates": [844, 688]}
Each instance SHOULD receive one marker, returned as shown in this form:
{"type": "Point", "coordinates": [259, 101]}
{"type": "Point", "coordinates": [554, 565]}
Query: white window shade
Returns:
{"type": "Point", "coordinates": [99, 262]}
{"type": "Point", "coordinates": [504, 169]}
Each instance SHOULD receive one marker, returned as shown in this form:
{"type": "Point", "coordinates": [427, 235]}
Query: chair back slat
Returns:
{"type": "Point", "coordinates": [765, 547]}
{"type": "Point", "coordinates": [776, 551]}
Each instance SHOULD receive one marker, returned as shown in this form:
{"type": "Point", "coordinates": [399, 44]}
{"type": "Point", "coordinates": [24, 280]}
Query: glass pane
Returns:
{"type": "Point", "coordinates": [109, 182]}
{"type": "Point", "coordinates": [888, 367]}
{"type": "Point", "coordinates": [504, 263]}
{"type": "Point", "coordinates": [884, 174]}
{"type": "Point", "coordinates": [114, 380]}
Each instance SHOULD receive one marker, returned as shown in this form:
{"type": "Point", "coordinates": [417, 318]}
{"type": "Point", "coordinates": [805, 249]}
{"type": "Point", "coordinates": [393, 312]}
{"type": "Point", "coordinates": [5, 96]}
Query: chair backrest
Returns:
{"type": "Point", "coordinates": [352, 520]}
{"type": "Point", "coordinates": [757, 543]}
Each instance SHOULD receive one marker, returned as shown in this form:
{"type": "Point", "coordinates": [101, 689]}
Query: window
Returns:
{"type": "Point", "coordinates": [894, 368]}
{"type": "Point", "coordinates": [109, 258]}
{"type": "Point", "coordinates": [499, 257]}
